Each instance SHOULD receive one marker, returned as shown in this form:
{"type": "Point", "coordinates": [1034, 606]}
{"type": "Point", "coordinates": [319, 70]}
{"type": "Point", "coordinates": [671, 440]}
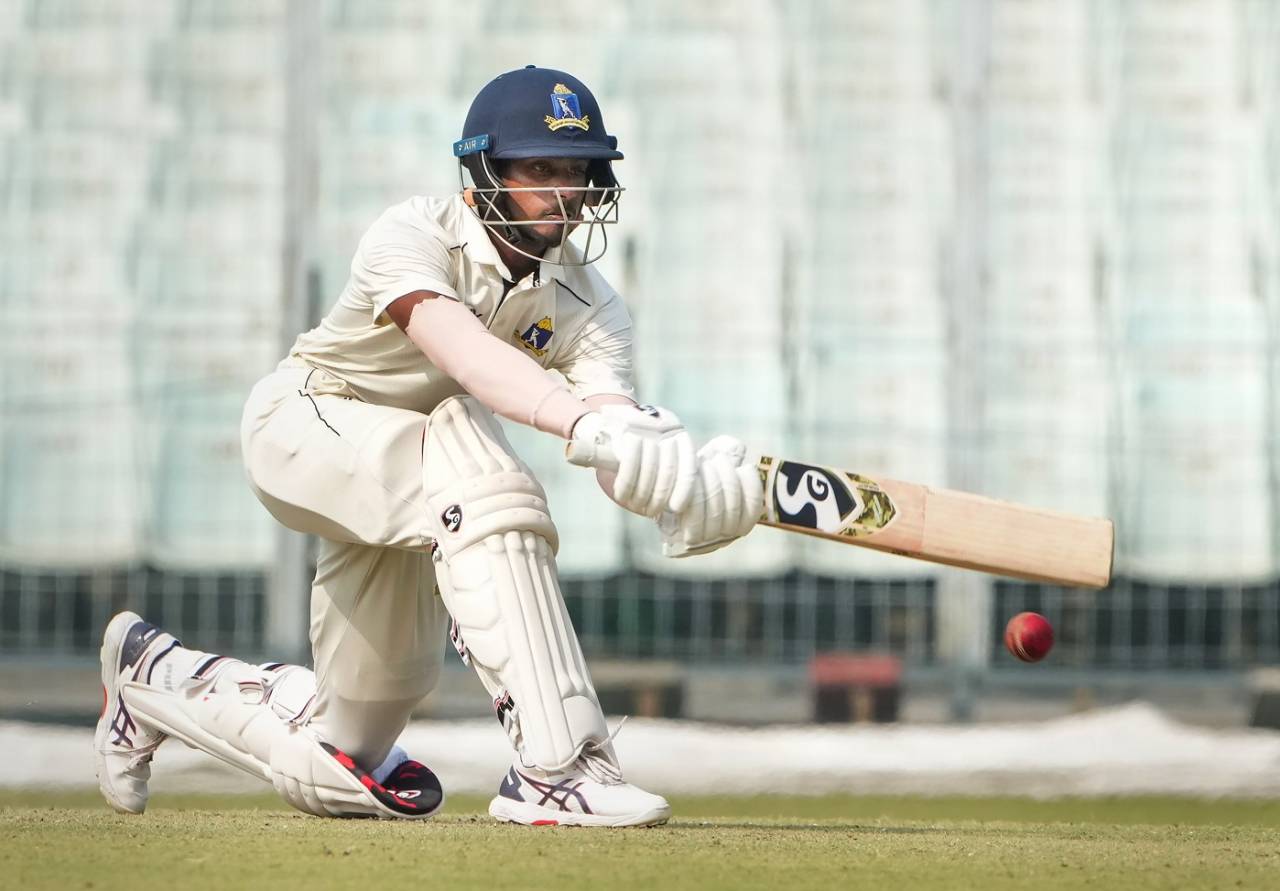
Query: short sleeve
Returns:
{"type": "Point", "coordinates": [396, 257]}
{"type": "Point", "coordinates": [598, 361]}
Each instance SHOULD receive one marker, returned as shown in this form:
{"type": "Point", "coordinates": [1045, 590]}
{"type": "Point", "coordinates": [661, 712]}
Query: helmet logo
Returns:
{"type": "Point", "coordinates": [565, 111]}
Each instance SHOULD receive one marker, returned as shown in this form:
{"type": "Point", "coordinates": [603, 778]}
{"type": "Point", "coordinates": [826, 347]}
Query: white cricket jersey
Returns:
{"type": "Point", "coordinates": [568, 319]}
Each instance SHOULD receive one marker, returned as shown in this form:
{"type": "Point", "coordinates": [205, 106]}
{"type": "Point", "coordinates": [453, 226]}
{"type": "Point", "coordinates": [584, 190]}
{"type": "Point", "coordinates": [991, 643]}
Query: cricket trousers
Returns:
{"type": "Point", "coordinates": [325, 463]}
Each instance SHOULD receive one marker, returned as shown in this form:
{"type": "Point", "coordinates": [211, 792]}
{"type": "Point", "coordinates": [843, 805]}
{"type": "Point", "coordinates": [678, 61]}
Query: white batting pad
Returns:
{"type": "Point", "coordinates": [232, 714]}
{"type": "Point", "coordinates": [495, 565]}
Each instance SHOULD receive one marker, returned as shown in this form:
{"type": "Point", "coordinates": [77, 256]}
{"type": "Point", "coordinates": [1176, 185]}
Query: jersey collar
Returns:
{"type": "Point", "coordinates": [473, 236]}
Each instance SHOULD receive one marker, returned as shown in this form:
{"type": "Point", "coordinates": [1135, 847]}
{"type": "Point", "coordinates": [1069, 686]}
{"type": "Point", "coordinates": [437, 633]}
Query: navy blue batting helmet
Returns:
{"type": "Point", "coordinates": [539, 113]}
{"type": "Point", "coordinates": [536, 113]}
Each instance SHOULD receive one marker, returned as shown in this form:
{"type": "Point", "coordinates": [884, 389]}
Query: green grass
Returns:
{"type": "Point", "coordinates": [73, 841]}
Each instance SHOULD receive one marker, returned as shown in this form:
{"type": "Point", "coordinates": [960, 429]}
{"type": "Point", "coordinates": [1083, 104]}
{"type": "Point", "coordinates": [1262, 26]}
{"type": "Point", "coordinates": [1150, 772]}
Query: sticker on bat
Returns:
{"type": "Point", "coordinates": [825, 500]}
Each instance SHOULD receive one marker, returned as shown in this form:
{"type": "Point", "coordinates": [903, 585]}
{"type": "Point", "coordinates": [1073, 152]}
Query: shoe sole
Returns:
{"type": "Point", "coordinates": [109, 657]}
{"type": "Point", "coordinates": [508, 811]}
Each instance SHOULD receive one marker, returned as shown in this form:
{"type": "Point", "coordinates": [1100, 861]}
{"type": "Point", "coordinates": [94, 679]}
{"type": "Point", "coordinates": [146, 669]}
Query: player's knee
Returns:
{"type": "Point", "coordinates": [365, 730]}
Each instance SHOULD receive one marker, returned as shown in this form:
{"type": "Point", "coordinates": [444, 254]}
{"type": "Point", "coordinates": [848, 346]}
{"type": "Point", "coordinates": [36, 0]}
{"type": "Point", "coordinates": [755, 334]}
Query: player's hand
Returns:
{"type": "Point", "coordinates": [727, 500]}
{"type": "Point", "coordinates": [655, 456]}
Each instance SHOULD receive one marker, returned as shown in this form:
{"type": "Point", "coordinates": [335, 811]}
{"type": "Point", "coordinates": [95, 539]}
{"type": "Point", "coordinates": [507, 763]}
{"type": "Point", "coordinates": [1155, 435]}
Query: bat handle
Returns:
{"type": "Point", "coordinates": [595, 454]}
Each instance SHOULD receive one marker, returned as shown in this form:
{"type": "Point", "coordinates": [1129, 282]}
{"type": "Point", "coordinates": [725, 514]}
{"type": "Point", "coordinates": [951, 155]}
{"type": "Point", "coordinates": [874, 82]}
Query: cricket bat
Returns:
{"type": "Point", "coordinates": [911, 520]}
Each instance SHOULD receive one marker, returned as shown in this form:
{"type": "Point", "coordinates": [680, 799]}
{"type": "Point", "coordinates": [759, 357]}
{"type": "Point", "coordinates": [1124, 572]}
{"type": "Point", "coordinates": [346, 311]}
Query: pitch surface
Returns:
{"type": "Point", "coordinates": [72, 840]}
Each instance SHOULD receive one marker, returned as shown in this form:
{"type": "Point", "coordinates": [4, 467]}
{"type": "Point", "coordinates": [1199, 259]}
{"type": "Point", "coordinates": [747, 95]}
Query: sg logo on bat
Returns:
{"type": "Point", "coordinates": [830, 501]}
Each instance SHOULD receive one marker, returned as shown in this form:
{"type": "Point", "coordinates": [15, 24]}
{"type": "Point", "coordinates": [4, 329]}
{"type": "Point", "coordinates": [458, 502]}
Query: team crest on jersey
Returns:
{"type": "Point", "coordinates": [537, 336]}
{"type": "Point", "coordinates": [565, 111]}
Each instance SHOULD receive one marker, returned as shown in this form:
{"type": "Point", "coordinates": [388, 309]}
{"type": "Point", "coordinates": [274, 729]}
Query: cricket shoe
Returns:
{"type": "Point", "coordinates": [590, 793]}
{"type": "Point", "coordinates": [122, 746]}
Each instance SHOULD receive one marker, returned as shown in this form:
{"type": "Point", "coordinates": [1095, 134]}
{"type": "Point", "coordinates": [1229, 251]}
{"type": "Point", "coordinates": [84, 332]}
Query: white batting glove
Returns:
{"type": "Point", "coordinates": [655, 455]}
{"type": "Point", "coordinates": [727, 500]}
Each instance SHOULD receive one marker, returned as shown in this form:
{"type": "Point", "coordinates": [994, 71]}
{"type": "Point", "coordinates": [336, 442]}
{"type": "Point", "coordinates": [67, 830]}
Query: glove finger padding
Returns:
{"type": "Point", "coordinates": [726, 446]}
{"type": "Point", "coordinates": [642, 492]}
{"type": "Point", "coordinates": [655, 457]}
{"type": "Point", "coordinates": [719, 483]}
{"type": "Point", "coordinates": [627, 450]}
{"type": "Point", "coordinates": [726, 501]}
{"type": "Point", "coordinates": [686, 473]}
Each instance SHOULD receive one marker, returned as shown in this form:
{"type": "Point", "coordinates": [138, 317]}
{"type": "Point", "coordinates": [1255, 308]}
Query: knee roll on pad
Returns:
{"type": "Point", "coordinates": [495, 565]}
{"type": "Point", "coordinates": [252, 718]}
{"type": "Point", "coordinates": [475, 485]}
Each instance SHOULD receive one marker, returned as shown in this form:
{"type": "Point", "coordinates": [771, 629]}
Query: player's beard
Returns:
{"type": "Point", "coordinates": [539, 242]}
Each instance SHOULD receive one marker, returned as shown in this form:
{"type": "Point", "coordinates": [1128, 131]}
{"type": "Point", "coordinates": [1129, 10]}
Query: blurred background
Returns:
{"type": "Point", "coordinates": [1028, 248]}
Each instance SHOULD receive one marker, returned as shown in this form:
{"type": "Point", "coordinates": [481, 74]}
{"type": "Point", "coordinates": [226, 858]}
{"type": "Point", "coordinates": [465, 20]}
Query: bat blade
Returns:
{"type": "Point", "coordinates": [938, 525]}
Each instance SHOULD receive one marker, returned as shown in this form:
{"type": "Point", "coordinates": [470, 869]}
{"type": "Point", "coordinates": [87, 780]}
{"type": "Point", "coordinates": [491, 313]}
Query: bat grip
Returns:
{"type": "Point", "coordinates": [595, 454]}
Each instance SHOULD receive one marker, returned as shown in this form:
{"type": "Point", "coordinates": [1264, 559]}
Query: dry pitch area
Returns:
{"type": "Point", "coordinates": [72, 841]}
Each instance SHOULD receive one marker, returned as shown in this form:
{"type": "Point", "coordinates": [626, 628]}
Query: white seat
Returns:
{"type": "Point", "coordinates": [1153, 75]}
{"type": "Point", "coordinates": [1046, 425]}
{"type": "Point", "coordinates": [1065, 469]}
{"type": "Point", "coordinates": [12, 22]}
{"type": "Point", "coordinates": [71, 485]}
{"type": "Point", "coordinates": [203, 515]}
{"type": "Point", "coordinates": [228, 160]}
{"type": "Point", "coordinates": [224, 79]}
{"type": "Point", "coordinates": [1220, 388]}
{"type": "Point", "coordinates": [81, 54]}
{"type": "Point", "coordinates": [68, 437]}
{"type": "Point", "coordinates": [1039, 48]}
{"type": "Point", "coordinates": [389, 63]}
{"type": "Point", "coordinates": [75, 274]}
{"type": "Point", "coordinates": [1040, 243]}
{"type": "Point", "coordinates": [220, 15]}
{"type": "Point", "coordinates": [80, 176]}
{"type": "Point", "coordinates": [673, 66]}
{"type": "Point", "coordinates": [718, 16]}
{"type": "Point", "coordinates": [223, 227]}
{"type": "Point", "coordinates": [1055, 302]}
{"type": "Point", "coordinates": [384, 170]}
{"type": "Point", "coordinates": [192, 373]}
{"type": "Point", "coordinates": [1170, 491]}
{"type": "Point", "coordinates": [878, 442]}
{"type": "Point", "coordinates": [181, 355]}
{"type": "Point", "coordinates": [120, 16]}
{"type": "Point", "coordinates": [1194, 433]}
{"type": "Point", "coordinates": [400, 15]}
{"type": "Point", "coordinates": [858, 16]}
{"type": "Point", "coordinates": [235, 278]}
{"type": "Point", "coordinates": [489, 51]}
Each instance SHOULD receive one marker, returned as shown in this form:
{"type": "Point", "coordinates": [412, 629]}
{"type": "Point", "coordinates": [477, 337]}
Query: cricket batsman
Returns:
{"type": "Point", "coordinates": [377, 433]}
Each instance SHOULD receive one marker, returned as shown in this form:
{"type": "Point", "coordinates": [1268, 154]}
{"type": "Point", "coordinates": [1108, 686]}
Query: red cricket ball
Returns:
{"type": "Point", "coordinates": [1029, 636]}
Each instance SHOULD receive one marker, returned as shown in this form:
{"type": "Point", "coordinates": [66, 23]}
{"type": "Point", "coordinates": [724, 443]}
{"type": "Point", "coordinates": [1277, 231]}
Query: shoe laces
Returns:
{"type": "Point", "coordinates": [599, 765]}
{"type": "Point", "coordinates": [142, 756]}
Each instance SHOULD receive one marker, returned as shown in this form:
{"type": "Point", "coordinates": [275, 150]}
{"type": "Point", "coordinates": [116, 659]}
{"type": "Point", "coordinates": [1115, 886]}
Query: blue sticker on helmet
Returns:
{"type": "Point", "coordinates": [471, 145]}
{"type": "Point", "coordinates": [565, 111]}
